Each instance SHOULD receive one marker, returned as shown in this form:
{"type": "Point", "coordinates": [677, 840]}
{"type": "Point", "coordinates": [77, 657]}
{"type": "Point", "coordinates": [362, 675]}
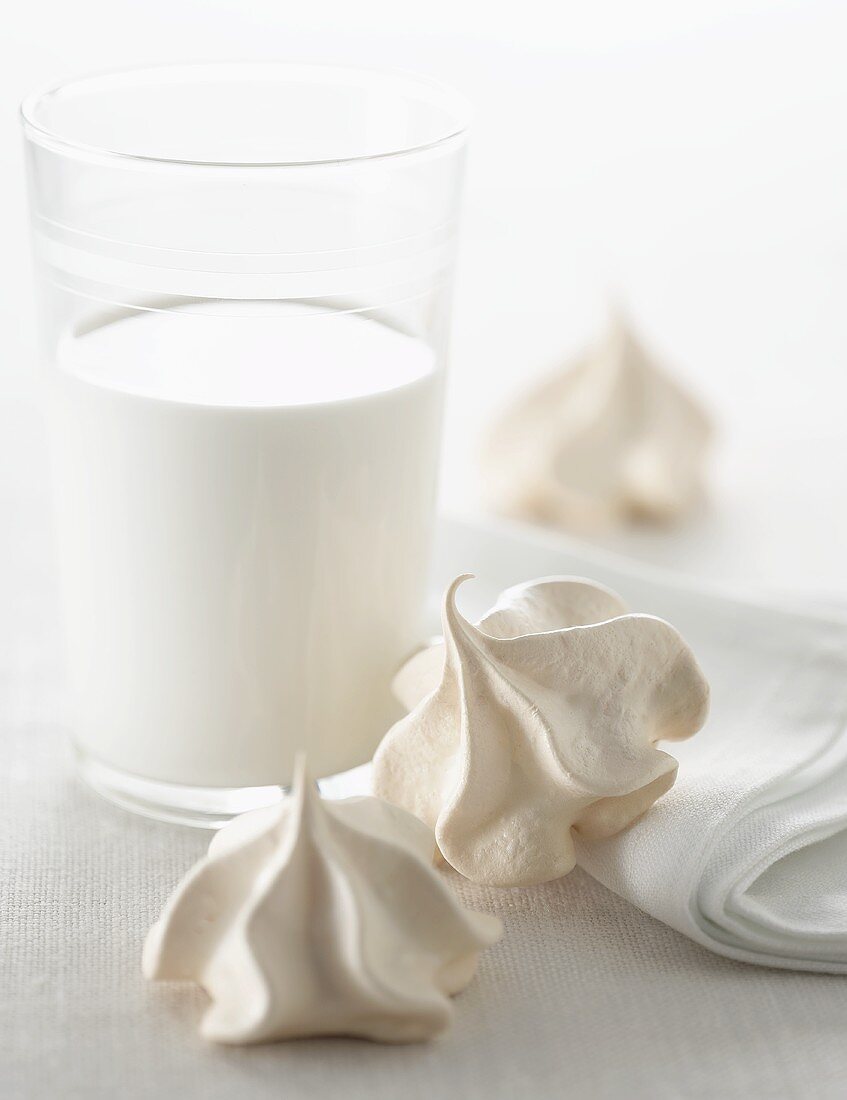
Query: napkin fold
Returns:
{"type": "Point", "coordinates": [747, 854]}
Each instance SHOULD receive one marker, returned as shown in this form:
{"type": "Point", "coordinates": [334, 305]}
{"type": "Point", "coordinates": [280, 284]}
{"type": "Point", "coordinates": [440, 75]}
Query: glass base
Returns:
{"type": "Point", "coordinates": [200, 807]}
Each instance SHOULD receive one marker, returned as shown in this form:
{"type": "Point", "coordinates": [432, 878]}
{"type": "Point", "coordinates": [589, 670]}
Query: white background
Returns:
{"type": "Point", "coordinates": [688, 156]}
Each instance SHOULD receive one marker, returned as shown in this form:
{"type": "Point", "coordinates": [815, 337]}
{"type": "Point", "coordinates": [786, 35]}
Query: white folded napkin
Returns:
{"type": "Point", "coordinates": [747, 854]}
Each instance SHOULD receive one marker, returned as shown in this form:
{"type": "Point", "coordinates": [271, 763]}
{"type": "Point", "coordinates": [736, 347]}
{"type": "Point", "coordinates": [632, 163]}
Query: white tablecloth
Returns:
{"type": "Point", "coordinates": [585, 995]}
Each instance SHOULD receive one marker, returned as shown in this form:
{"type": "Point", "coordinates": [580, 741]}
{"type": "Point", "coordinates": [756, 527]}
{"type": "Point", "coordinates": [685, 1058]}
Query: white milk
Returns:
{"type": "Point", "coordinates": [244, 512]}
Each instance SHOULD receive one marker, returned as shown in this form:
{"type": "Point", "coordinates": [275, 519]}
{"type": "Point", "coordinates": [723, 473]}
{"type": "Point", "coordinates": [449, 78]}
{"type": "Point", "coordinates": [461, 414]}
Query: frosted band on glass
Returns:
{"type": "Point", "coordinates": [282, 276]}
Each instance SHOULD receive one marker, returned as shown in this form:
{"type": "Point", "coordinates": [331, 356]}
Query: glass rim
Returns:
{"type": "Point", "coordinates": [460, 109]}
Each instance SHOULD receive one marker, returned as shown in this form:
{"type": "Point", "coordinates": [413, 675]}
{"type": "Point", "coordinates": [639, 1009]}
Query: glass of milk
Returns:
{"type": "Point", "coordinates": [244, 276]}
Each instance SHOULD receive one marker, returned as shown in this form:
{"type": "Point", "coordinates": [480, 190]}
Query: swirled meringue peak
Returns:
{"type": "Point", "coordinates": [608, 440]}
{"type": "Point", "coordinates": [318, 917]}
{"type": "Point", "coordinates": [541, 719]}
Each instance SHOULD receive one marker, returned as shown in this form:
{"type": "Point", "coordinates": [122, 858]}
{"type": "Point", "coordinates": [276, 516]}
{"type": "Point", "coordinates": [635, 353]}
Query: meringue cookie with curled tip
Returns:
{"type": "Point", "coordinates": [541, 719]}
{"type": "Point", "coordinates": [608, 440]}
{"type": "Point", "coordinates": [319, 917]}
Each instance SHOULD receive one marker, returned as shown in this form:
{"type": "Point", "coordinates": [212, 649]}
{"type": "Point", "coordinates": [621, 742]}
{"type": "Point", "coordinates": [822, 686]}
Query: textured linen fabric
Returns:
{"type": "Point", "coordinates": [585, 996]}
{"type": "Point", "coordinates": [747, 854]}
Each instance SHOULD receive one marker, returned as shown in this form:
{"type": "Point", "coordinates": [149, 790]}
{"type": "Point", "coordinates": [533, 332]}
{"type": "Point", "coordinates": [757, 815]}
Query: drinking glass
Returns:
{"type": "Point", "coordinates": [244, 280]}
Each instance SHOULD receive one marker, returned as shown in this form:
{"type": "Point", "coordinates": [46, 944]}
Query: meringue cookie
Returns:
{"type": "Point", "coordinates": [316, 917]}
{"type": "Point", "coordinates": [607, 441]}
{"type": "Point", "coordinates": [541, 719]}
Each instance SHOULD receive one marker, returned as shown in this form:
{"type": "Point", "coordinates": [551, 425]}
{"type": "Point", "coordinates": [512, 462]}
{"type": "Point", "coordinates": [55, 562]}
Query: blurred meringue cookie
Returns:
{"type": "Point", "coordinates": [609, 440]}
{"type": "Point", "coordinates": [316, 917]}
{"type": "Point", "coordinates": [540, 719]}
